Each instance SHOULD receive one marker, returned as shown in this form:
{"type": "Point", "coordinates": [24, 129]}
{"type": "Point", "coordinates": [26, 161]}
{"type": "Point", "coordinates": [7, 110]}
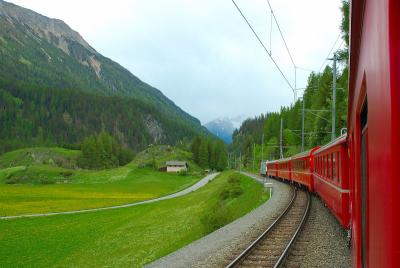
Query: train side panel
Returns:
{"type": "Point", "coordinates": [330, 178]}
{"type": "Point", "coordinates": [284, 169]}
{"type": "Point", "coordinates": [272, 169]}
{"type": "Point", "coordinates": [374, 127]}
{"type": "Point", "coordinates": [302, 168]}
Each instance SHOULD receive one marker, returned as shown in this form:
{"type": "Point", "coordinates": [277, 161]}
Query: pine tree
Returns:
{"type": "Point", "coordinates": [203, 154]}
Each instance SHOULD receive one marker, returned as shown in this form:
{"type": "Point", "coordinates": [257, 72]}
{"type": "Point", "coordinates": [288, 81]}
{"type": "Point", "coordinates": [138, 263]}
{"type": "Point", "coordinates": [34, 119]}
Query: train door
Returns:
{"type": "Point", "coordinates": [364, 183]}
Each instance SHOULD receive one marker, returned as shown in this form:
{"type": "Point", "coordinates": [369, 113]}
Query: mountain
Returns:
{"type": "Point", "coordinates": [44, 58]}
{"type": "Point", "coordinates": [224, 127]}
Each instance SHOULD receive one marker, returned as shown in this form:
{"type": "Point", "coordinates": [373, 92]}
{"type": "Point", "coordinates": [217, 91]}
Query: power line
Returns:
{"type": "Point", "coordinates": [280, 31]}
{"type": "Point", "coordinates": [330, 51]}
{"type": "Point", "coordinates": [262, 44]}
{"type": "Point", "coordinates": [305, 69]}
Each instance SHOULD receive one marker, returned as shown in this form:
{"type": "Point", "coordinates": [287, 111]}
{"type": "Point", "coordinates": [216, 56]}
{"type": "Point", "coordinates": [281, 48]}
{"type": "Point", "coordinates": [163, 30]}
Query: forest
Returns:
{"type": "Point", "coordinates": [317, 97]}
{"type": "Point", "coordinates": [45, 117]}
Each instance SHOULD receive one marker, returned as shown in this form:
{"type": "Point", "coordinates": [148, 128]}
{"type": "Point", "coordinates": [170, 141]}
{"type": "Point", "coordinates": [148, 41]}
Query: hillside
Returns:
{"type": "Point", "coordinates": [36, 180]}
{"type": "Point", "coordinates": [40, 155]}
{"type": "Point", "coordinates": [43, 58]}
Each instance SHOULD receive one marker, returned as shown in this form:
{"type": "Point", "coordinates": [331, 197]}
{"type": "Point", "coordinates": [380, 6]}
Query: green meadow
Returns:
{"type": "Point", "coordinates": [40, 180]}
{"type": "Point", "coordinates": [127, 237]}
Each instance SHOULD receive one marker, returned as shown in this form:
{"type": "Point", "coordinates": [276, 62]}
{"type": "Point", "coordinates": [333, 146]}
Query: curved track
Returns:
{"type": "Point", "coordinates": [272, 246]}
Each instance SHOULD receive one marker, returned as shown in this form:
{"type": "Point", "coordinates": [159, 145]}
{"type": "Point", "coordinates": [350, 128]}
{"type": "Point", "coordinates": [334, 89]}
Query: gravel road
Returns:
{"type": "Point", "coordinates": [192, 188]}
{"type": "Point", "coordinates": [219, 248]}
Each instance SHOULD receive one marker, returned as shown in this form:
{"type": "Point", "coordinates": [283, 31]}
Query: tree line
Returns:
{"type": "Point", "coordinates": [103, 151]}
{"type": "Point", "coordinates": [209, 153]}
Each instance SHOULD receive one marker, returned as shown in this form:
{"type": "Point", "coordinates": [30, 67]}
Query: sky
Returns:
{"type": "Point", "coordinates": [201, 54]}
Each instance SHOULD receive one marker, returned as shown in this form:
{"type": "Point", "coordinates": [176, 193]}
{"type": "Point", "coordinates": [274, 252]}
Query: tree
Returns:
{"type": "Point", "coordinates": [203, 155]}
{"type": "Point", "coordinates": [195, 147]}
{"type": "Point", "coordinates": [220, 156]}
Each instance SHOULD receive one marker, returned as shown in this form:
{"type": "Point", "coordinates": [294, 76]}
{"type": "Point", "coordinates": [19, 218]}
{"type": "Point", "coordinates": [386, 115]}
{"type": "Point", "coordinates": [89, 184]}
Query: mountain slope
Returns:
{"type": "Point", "coordinates": [223, 128]}
{"type": "Point", "coordinates": [37, 52]}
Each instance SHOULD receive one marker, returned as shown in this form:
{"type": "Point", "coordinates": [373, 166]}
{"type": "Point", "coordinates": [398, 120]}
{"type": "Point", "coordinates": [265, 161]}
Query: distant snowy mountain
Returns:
{"type": "Point", "coordinates": [224, 127]}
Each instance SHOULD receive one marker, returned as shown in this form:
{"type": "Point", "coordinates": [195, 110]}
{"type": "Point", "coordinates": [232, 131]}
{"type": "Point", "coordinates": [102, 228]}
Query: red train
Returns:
{"type": "Point", "coordinates": [322, 170]}
{"type": "Point", "coordinates": [356, 175]}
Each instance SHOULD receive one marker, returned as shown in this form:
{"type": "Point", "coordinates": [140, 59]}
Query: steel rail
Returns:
{"type": "Point", "coordinates": [295, 235]}
{"type": "Point", "coordinates": [238, 260]}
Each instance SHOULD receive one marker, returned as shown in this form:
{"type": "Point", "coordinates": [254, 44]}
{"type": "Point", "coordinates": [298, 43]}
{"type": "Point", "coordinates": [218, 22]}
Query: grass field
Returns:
{"type": "Point", "coordinates": [41, 188]}
{"type": "Point", "coordinates": [126, 237]}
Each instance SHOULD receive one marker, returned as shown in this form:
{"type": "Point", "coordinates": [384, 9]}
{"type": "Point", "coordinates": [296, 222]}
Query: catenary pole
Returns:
{"type": "Point", "coordinates": [281, 150]}
{"type": "Point", "coordinates": [262, 148]}
{"type": "Point", "coordinates": [254, 155]}
{"type": "Point", "coordinates": [334, 98]}
{"type": "Point", "coordinates": [302, 126]}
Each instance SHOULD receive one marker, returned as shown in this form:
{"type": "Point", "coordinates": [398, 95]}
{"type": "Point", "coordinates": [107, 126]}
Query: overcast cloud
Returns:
{"type": "Point", "coordinates": [201, 54]}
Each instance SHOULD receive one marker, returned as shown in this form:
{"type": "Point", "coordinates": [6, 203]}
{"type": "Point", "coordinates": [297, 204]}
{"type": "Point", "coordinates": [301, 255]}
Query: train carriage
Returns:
{"type": "Point", "coordinates": [284, 169]}
{"type": "Point", "coordinates": [302, 168]}
{"type": "Point", "coordinates": [373, 132]}
{"type": "Point", "coordinates": [272, 169]}
{"type": "Point", "coordinates": [331, 180]}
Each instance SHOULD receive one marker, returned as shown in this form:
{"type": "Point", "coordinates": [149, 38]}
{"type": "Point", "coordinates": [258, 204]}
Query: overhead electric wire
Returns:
{"type": "Point", "coordinates": [262, 44]}
{"type": "Point", "coordinates": [330, 51]}
{"type": "Point", "coordinates": [280, 31]}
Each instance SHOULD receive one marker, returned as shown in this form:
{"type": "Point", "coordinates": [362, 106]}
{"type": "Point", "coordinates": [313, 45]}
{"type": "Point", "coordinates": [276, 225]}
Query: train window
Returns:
{"type": "Point", "coordinates": [338, 167]}
{"type": "Point", "coordinates": [328, 166]}
{"type": "Point", "coordinates": [325, 166]}
{"type": "Point", "coordinates": [319, 165]}
{"type": "Point", "coordinates": [334, 166]}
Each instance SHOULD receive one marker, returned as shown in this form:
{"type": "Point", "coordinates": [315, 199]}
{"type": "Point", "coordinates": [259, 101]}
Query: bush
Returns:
{"type": "Point", "coordinates": [219, 214]}
{"type": "Point", "coordinates": [66, 173]}
{"type": "Point", "coordinates": [218, 217]}
{"type": "Point", "coordinates": [183, 173]}
{"type": "Point", "coordinates": [233, 179]}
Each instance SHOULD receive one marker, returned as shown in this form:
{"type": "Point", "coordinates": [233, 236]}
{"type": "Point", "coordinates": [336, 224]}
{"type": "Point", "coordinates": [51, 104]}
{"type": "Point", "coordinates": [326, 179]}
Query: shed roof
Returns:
{"type": "Point", "coordinates": [176, 163]}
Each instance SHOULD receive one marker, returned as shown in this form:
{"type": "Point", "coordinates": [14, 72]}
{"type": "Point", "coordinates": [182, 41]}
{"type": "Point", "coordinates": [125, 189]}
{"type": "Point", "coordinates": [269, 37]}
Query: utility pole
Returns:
{"type": "Point", "coordinates": [281, 150]}
{"type": "Point", "coordinates": [302, 126]}
{"type": "Point", "coordinates": [254, 155]}
{"type": "Point", "coordinates": [334, 97]}
{"type": "Point", "coordinates": [240, 161]}
{"type": "Point", "coordinates": [262, 148]}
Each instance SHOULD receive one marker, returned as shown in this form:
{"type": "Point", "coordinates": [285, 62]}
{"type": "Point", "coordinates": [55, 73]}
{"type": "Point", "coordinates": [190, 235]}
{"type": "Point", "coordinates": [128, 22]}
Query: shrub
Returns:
{"type": "Point", "coordinates": [218, 217]}
{"type": "Point", "coordinates": [233, 178]}
{"type": "Point", "coordinates": [66, 173]}
{"type": "Point", "coordinates": [183, 173]}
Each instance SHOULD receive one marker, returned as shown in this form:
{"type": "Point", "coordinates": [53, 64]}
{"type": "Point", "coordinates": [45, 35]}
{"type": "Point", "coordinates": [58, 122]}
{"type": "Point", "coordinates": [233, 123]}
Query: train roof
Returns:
{"type": "Point", "coordinates": [305, 153]}
{"type": "Point", "coordinates": [339, 140]}
{"type": "Point", "coordinates": [284, 159]}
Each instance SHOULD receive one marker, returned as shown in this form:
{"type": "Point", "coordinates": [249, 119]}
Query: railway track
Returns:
{"type": "Point", "coordinates": [272, 246]}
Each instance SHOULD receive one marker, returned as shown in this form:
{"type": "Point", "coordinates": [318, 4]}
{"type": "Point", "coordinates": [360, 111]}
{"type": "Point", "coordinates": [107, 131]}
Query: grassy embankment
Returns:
{"type": "Point", "coordinates": [40, 180]}
{"type": "Point", "coordinates": [127, 237]}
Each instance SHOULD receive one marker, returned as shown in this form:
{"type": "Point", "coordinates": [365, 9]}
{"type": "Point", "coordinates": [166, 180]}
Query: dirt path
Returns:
{"type": "Point", "coordinates": [192, 188]}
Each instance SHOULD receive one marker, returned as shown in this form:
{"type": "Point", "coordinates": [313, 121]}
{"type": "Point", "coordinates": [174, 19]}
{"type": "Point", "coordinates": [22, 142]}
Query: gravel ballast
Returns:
{"type": "Point", "coordinates": [322, 241]}
{"type": "Point", "coordinates": [221, 246]}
